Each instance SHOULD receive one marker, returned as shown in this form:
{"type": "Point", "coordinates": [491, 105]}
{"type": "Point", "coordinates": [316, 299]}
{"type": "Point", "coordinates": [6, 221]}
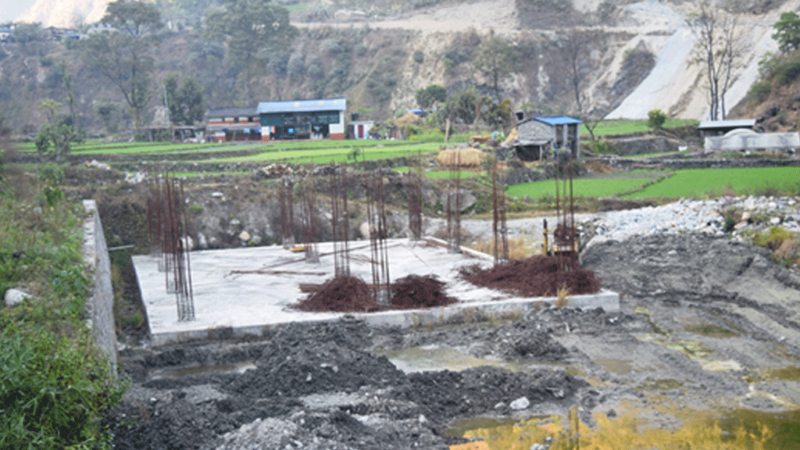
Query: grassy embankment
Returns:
{"type": "Point", "coordinates": [55, 384]}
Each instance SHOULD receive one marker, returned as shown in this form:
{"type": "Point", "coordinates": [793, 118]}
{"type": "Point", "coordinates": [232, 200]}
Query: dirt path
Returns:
{"type": "Point", "coordinates": [704, 322]}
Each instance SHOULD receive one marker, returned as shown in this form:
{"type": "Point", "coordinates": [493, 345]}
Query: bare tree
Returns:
{"type": "Point", "coordinates": [576, 50]}
{"type": "Point", "coordinates": [717, 50]}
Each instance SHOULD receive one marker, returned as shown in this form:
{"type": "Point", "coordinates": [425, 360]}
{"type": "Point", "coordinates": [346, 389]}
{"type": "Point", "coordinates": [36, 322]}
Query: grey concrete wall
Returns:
{"type": "Point", "coordinates": [101, 300]}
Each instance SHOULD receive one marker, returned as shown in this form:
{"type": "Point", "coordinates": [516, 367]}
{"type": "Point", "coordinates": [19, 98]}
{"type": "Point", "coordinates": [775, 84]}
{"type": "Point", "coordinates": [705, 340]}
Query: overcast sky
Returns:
{"type": "Point", "coordinates": [11, 9]}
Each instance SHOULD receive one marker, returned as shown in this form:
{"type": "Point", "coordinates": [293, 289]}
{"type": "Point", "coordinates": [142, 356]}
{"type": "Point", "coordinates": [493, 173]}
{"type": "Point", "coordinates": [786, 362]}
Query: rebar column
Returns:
{"type": "Point", "coordinates": [499, 228]}
{"type": "Point", "coordinates": [414, 181]}
{"type": "Point", "coordinates": [287, 212]}
{"type": "Point", "coordinates": [376, 212]}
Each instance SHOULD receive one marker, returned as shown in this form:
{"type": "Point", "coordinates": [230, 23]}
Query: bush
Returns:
{"type": "Point", "coordinates": [419, 57]}
{"type": "Point", "coordinates": [758, 93]}
{"type": "Point", "coordinates": [656, 119]}
{"type": "Point", "coordinates": [602, 147]}
{"type": "Point", "coordinates": [786, 72]}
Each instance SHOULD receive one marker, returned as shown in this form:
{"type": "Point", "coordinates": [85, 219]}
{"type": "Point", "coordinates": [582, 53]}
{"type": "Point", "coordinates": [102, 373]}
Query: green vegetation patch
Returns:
{"type": "Point", "coordinates": [617, 127]}
{"type": "Point", "coordinates": [55, 384]}
{"type": "Point", "coordinates": [440, 174]}
{"type": "Point", "coordinates": [580, 187]}
{"type": "Point", "coordinates": [698, 183]}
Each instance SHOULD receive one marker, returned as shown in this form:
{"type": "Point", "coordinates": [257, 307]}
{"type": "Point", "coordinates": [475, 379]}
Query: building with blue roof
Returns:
{"type": "Point", "coordinates": [303, 119]}
{"type": "Point", "coordinates": [539, 136]}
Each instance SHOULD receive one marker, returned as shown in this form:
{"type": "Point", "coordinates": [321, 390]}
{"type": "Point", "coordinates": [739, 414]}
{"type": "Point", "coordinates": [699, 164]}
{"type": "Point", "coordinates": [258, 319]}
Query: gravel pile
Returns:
{"type": "Point", "coordinates": [698, 216]}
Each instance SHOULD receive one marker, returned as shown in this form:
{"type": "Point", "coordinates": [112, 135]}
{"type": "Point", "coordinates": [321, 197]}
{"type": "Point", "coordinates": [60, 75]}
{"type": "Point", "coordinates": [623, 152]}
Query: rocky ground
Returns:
{"type": "Point", "coordinates": [703, 322]}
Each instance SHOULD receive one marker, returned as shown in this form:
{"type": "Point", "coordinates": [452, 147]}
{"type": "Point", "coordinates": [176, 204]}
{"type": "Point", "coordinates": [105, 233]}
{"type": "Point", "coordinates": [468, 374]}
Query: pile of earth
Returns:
{"type": "Point", "coordinates": [320, 387]}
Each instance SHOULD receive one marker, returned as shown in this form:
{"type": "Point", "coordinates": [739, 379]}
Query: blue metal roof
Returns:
{"type": "Point", "coordinates": [333, 104]}
{"type": "Point", "coordinates": [558, 120]}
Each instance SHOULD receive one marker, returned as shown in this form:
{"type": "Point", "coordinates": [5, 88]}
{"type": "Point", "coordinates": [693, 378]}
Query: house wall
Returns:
{"type": "Point", "coordinates": [535, 131]}
{"type": "Point", "coordinates": [337, 129]}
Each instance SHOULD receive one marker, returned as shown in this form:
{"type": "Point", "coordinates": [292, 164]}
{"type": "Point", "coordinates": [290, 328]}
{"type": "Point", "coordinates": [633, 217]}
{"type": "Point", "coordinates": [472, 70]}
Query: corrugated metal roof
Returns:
{"type": "Point", "coordinates": [557, 120]}
{"type": "Point", "coordinates": [231, 112]}
{"type": "Point", "coordinates": [741, 123]}
{"type": "Point", "coordinates": [333, 104]}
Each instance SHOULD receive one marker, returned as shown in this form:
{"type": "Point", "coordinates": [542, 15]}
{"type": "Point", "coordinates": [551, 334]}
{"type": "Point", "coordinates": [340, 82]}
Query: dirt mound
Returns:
{"type": "Point", "coordinates": [434, 390]}
{"type": "Point", "coordinates": [340, 294]}
{"type": "Point", "coordinates": [683, 264]}
{"type": "Point", "coordinates": [535, 277]}
{"type": "Point", "coordinates": [415, 291]}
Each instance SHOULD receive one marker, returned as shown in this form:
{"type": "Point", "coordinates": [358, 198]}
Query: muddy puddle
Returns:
{"type": "Point", "coordinates": [725, 430]}
{"type": "Point", "coordinates": [436, 358]}
{"type": "Point", "coordinates": [184, 371]}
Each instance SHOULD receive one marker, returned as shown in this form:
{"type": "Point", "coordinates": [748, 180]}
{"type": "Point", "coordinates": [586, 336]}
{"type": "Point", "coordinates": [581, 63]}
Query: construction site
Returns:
{"type": "Point", "coordinates": [328, 341]}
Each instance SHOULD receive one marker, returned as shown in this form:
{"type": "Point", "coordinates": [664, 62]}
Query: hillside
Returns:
{"type": "Point", "coordinates": [632, 57]}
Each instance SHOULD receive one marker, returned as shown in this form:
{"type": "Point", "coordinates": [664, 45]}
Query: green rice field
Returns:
{"type": "Point", "coordinates": [616, 127]}
{"type": "Point", "coordinates": [699, 182]}
{"type": "Point", "coordinates": [688, 183]}
{"type": "Point", "coordinates": [580, 187]}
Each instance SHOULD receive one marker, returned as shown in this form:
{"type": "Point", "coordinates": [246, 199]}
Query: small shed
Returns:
{"type": "Point", "coordinates": [538, 136]}
{"type": "Point", "coordinates": [711, 128]}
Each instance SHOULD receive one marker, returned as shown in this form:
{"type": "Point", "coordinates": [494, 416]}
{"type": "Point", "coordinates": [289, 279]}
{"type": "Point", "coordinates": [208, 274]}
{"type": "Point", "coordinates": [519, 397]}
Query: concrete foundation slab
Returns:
{"type": "Point", "coordinates": [249, 290]}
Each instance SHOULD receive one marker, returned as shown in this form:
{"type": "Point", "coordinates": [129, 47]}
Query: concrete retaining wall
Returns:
{"type": "Point", "coordinates": [101, 301]}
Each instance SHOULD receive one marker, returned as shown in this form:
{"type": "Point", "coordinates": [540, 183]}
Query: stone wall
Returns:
{"type": "Point", "coordinates": [100, 303]}
{"type": "Point", "coordinates": [679, 162]}
{"type": "Point", "coordinates": [645, 144]}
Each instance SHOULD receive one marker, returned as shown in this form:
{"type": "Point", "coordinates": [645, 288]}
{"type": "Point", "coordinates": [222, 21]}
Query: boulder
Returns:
{"type": "Point", "coordinates": [14, 297]}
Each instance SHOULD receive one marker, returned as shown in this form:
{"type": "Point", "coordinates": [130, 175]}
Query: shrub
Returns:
{"type": "Point", "coordinates": [758, 93]}
{"type": "Point", "coordinates": [419, 57]}
{"type": "Point", "coordinates": [656, 119]}
{"type": "Point", "coordinates": [787, 71]}
{"type": "Point", "coordinates": [773, 239]}
{"type": "Point", "coordinates": [602, 147]}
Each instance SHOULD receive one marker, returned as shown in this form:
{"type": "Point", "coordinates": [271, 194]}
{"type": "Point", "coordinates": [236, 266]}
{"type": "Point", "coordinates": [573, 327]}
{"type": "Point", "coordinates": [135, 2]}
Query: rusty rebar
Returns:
{"type": "Point", "coordinates": [339, 221]}
{"type": "Point", "coordinates": [286, 196]}
{"type": "Point", "coordinates": [167, 226]}
{"type": "Point", "coordinates": [499, 228]}
{"type": "Point", "coordinates": [376, 212]}
{"type": "Point", "coordinates": [414, 181]}
{"type": "Point", "coordinates": [454, 204]}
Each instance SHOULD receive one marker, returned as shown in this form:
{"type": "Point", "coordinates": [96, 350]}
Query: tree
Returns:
{"type": "Point", "coordinates": [253, 30]}
{"type": "Point", "coordinates": [716, 50]}
{"type": "Point", "coordinates": [496, 60]}
{"type": "Point", "coordinates": [185, 102]}
{"type": "Point", "coordinates": [656, 119]}
{"type": "Point", "coordinates": [427, 96]}
{"type": "Point", "coordinates": [461, 107]}
{"type": "Point", "coordinates": [787, 32]}
{"type": "Point", "coordinates": [124, 56]}
{"type": "Point", "coordinates": [56, 136]}
{"type": "Point", "coordinates": [576, 50]}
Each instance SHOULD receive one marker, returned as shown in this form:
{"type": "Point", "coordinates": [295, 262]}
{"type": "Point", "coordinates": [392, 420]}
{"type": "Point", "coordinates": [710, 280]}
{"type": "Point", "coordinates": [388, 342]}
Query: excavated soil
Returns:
{"type": "Point", "coordinates": [701, 321]}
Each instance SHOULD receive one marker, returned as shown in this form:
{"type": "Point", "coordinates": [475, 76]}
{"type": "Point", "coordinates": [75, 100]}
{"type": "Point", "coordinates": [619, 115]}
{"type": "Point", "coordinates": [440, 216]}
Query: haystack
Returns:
{"type": "Point", "coordinates": [464, 157]}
